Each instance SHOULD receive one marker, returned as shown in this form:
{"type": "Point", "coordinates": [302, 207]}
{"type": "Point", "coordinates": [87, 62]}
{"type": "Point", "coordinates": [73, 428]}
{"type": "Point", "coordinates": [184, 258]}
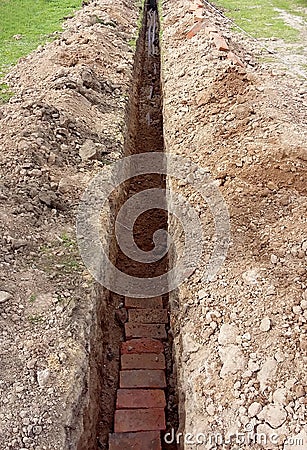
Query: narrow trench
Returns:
{"type": "Point", "coordinates": [144, 133]}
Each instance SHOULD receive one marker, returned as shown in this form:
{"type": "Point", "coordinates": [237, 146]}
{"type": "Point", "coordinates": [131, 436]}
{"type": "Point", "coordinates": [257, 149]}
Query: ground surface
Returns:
{"type": "Point", "coordinates": [65, 123]}
{"type": "Point", "coordinates": [241, 339]}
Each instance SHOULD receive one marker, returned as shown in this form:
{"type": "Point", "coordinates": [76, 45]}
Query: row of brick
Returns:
{"type": "Point", "coordinates": [197, 7]}
{"type": "Point", "coordinates": [140, 403]}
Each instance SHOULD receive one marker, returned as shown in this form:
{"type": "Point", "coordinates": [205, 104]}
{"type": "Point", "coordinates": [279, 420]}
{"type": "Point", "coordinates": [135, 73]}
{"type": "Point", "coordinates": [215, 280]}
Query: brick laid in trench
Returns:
{"type": "Point", "coordinates": [142, 345]}
{"type": "Point", "coordinates": [140, 398]}
{"type": "Point", "coordinates": [139, 420]}
{"type": "Point", "coordinates": [152, 361]}
{"type": "Point", "coordinates": [142, 440]}
{"type": "Point", "coordinates": [154, 302]}
{"type": "Point", "coordinates": [135, 330]}
{"type": "Point", "coordinates": [146, 315]}
{"type": "Point", "coordinates": [142, 379]}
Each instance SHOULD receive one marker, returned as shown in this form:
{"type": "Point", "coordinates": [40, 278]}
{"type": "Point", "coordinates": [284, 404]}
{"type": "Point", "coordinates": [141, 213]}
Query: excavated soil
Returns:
{"type": "Point", "coordinates": [240, 339]}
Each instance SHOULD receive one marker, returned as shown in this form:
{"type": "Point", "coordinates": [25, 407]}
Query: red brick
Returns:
{"type": "Point", "coordinates": [143, 440]}
{"type": "Point", "coordinates": [137, 330]}
{"type": "Point", "coordinates": [220, 43]}
{"type": "Point", "coordinates": [140, 398]}
{"type": "Point", "coordinates": [235, 59]}
{"type": "Point", "coordinates": [153, 302]}
{"type": "Point", "coordinates": [144, 345]}
{"type": "Point", "coordinates": [152, 361]}
{"type": "Point", "coordinates": [142, 379]}
{"type": "Point", "coordinates": [127, 420]}
{"type": "Point", "coordinates": [146, 315]}
{"type": "Point", "coordinates": [195, 29]}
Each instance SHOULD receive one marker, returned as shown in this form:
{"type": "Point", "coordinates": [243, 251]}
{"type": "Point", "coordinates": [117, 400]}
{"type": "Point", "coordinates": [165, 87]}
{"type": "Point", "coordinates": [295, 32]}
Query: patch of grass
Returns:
{"type": "Point", "coordinates": [26, 24]}
{"type": "Point", "coordinates": [36, 319]}
{"type": "Point", "coordinates": [5, 93]}
{"type": "Point", "coordinates": [32, 298]}
{"type": "Point", "coordinates": [261, 19]}
{"type": "Point", "coordinates": [61, 256]}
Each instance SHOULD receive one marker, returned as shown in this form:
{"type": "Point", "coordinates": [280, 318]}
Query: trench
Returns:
{"type": "Point", "coordinates": [144, 133]}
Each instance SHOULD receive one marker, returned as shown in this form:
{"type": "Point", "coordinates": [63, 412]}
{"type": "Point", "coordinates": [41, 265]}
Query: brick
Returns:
{"type": "Point", "coordinates": [195, 29]}
{"type": "Point", "coordinates": [235, 59]}
{"type": "Point", "coordinates": [137, 330]}
{"type": "Point", "coordinates": [139, 346]}
{"type": "Point", "coordinates": [142, 440]}
{"type": "Point", "coordinates": [153, 302]}
{"type": "Point", "coordinates": [152, 361]}
{"type": "Point", "coordinates": [127, 420]}
{"type": "Point", "coordinates": [220, 43]}
{"type": "Point", "coordinates": [146, 315]}
{"type": "Point", "coordinates": [140, 398]}
{"type": "Point", "coordinates": [142, 378]}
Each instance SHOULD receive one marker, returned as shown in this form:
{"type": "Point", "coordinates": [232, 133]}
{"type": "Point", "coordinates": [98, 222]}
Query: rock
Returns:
{"type": "Point", "coordinates": [210, 409]}
{"type": "Point", "coordinates": [299, 391]}
{"type": "Point", "coordinates": [254, 409]}
{"type": "Point", "coordinates": [253, 366]}
{"type": "Point", "coordinates": [232, 358]}
{"type": "Point", "coordinates": [4, 296]}
{"type": "Point", "coordinates": [267, 372]}
{"type": "Point", "coordinates": [228, 334]}
{"type": "Point", "coordinates": [280, 396]}
{"type": "Point", "coordinates": [274, 415]}
{"type": "Point", "coordinates": [274, 259]}
{"type": "Point", "coordinates": [265, 324]}
{"type": "Point", "coordinates": [88, 150]}
{"type": "Point", "coordinates": [43, 377]}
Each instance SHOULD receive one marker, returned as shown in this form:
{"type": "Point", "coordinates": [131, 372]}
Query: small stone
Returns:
{"type": "Point", "coordinates": [265, 324]}
{"type": "Point", "coordinates": [273, 415]}
{"type": "Point", "coordinates": [267, 372]}
{"type": "Point", "coordinates": [297, 309]}
{"type": "Point", "coordinates": [253, 366]}
{"type": "Point", "coordinates": [37, 429]}
{"type": "Point", "coordinates": [228, 334]}
{"type": "Point", "coordinates": [210, 409]}
{"type": "Point", "coordinates": [304, 304]}
{"type": "Point", "coordinates": [254, 409]}
{"type": "Point", "coordinates": [233, 360]}
{"type": "Point", "coordinates": [274, 259]}
{"type": "Point", "coordinates": [280, 396]}
{"type": "Point", "coordinates": [4, 296]}
{"type": "Point", "coordinates": [43, 377]}
{"type": "Point", "coordinates": [299, 391]}
{"type": "Point", "coordinates": [88, 150]}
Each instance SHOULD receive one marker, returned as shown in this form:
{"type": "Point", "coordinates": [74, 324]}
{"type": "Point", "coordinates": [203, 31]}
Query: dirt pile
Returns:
{"type": "Point", "coordinates": [65, 123]}
{"type": "Point", "coordinates": [241, 338]}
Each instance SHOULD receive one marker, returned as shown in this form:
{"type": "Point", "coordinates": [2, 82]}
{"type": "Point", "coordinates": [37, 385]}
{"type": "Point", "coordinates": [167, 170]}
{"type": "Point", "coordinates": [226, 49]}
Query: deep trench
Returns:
{"type": "Point", "coordinates": [144, 133]}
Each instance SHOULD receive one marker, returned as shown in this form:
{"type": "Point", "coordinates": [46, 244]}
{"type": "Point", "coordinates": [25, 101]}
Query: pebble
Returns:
{"type": "Point", "coordinates": [43, 377]}
{"type": "Point", "coordinates": [4, 296]}
{"type": "Point", "coordinates": [254, 409]}
{"type": "Point", "coordinates": [265, 324]}
{"type": "Point", "coordinates": [274, 415]}
{"type": "Point", "coordinates": [228, 334]}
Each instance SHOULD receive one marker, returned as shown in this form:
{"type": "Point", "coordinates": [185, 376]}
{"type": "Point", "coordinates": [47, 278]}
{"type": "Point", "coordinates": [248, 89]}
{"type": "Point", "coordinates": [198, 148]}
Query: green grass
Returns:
{"type": "Point", "coordinates": [261, 20]}
{"type": "Point", "coordinates": [32, 22]}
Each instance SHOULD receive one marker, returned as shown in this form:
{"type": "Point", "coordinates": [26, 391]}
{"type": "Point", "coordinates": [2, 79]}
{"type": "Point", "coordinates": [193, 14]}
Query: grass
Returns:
{"type": "Point", "coordinates": [260, 18]}
{"type": "Point", "coordinates": [61, 255]}
{"type": "Point", "coordinates": [26, 24]}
